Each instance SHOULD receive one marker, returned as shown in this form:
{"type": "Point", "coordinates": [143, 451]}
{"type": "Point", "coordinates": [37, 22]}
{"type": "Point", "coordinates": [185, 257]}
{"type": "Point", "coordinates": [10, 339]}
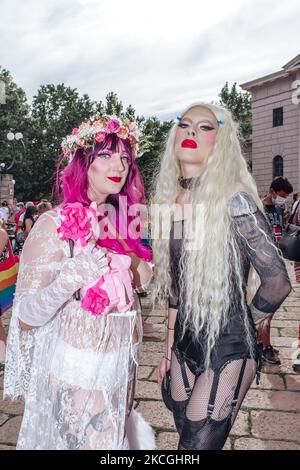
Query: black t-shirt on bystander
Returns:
{"type": "Point", "coordinates": [275, 214]}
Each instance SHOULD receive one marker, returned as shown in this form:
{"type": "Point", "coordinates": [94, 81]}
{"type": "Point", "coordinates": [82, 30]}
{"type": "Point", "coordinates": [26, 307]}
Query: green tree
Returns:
{"type": "Point", "coordinates": [14, 117]}
{"type": "Point", "coordinates": [130, 113]}
{"type": "Point", "coordinates": [55, 111]}
{"type": "Point", "coordinates": [153, 140]}
{"type": "Point", "coordinates": [113, 104]}
{"type": "Point", "coordinates": [239, 103]}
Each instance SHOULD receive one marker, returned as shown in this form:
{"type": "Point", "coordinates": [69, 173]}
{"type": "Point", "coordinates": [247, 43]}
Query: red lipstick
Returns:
{"type": "Point", "coordinates": [115, 179]}
{"type": "Point", "coordinates": [189, 144]}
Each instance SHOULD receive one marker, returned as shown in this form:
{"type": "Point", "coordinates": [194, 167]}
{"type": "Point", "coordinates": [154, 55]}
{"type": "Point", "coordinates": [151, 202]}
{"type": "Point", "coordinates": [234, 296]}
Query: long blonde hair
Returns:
{"type": "Point", "coordinates": [208, 270]}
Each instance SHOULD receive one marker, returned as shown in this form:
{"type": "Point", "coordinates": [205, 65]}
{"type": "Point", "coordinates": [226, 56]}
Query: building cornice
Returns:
{"type": "Point", "coordinates": [295, 62]}
{"type": "Point", "coordinates": [288, 69]}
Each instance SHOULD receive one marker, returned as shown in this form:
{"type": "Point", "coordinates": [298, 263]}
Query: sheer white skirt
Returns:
{"type": "Point", "coordinates": [77, 376]}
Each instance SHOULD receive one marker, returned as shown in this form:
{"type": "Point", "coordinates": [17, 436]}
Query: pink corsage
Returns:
{"type": "Point", "coordinates": [96, 299]}
{"type": "Point", "coordinates": [100, 136]}
{"type": "Point", "coordinates": [79, 223]}
{"type": "Point", "coordinates": [113, 126]}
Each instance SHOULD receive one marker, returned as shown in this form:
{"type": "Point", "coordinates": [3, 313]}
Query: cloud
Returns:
{"type": "Point", "coordinates": [158, 56]}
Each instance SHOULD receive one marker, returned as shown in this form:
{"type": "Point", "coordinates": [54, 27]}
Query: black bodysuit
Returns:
{"type": "Point", "coordinates": [206, 401]}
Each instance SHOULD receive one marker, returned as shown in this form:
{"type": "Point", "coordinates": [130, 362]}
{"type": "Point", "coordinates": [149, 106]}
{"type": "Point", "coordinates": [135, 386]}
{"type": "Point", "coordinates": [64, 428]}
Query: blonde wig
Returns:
{"type": "Point", "coordinates": [211, 269]}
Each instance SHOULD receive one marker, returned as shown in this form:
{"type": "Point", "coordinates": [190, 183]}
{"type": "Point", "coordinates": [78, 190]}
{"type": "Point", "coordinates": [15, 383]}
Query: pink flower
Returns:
{"type": "Point", "coordinates": [113, 126]}
{"type": "Point", "coordinates": [75, 223]}
{"type": "Point", "coordinates": [100, 136]}
{"type": "Point", "coordinates": [123, 134]}
{"type": "Point", "coordinates": [75, 131]}
{"type": "Point", "coordinates": [132, 126]}
{"type": "Point", "coordinates": [97, 123]}
{"type": "Point", "coordinates": [79, 223]}
{"type": "Point", "coordinates": [136, 133]}
{"type": "Point", "coordinates": [80, 142]}
{"type": "Point", "coordinates": [67, 153]}
{"type": "Point", "coordinates": [95, 299]}
{"type": "Point", "coordinates": [133, 129]}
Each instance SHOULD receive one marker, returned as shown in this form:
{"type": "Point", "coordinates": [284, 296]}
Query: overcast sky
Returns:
{"type": "Point", "coordinates": [158, 55]}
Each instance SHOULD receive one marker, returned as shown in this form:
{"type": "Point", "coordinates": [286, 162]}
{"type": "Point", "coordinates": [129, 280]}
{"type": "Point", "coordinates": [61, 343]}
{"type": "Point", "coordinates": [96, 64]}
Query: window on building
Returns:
{"type": "Point", "coordinates": [277, 117]}
{"type": "Point", "coordinates": [277, 166]}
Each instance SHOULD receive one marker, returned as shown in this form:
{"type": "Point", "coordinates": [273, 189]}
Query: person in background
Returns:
{"type": "Point", "coordinates": [21, 218]}
{"type": "Point", "coordinates": [4, 211]}
{"type": "Point", "coordinates": [14, 209]}
{"type": "Point", "coordinates": [18, 225]}
{"type": "Point", "coordinates": [22, 231]}
{"type": "Point", "coordinates": [275, 204]}
{"type": "Point", "coordinates": [296, 221]}
{"type": "Point", "coordinates": [277, 213]}
{"type": "Point", "coordinates": [30, 217]}
{"type": "Point", "coordinates": [11, 213]}
{"type": "Point", "coordinates": [43, 206]}
{"type": "Point", "coordinates": [20, 210]}
{"type": "Point", "coordinates": [3, 256]}
{"type": "Point", "coordinates": [296, 198]}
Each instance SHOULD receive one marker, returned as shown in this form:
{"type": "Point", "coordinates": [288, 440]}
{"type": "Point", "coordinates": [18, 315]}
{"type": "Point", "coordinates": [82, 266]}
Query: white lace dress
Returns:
{"type": "Point", "coordinates": [75, 371]}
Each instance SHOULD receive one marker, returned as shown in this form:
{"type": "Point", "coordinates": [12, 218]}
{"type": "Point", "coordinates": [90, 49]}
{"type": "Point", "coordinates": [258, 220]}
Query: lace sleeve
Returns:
{"type": "Point", "coordinates": [48, 277]}
{"type": "Point", "coordinates": [256, 237]}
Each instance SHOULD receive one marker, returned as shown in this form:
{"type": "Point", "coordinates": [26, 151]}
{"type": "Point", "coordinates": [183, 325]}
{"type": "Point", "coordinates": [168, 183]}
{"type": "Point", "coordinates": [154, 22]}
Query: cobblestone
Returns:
{"type": "Point", "coordinates": [270, 414]}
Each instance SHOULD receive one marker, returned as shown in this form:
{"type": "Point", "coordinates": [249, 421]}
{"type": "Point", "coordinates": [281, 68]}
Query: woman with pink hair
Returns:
{"type": "Point", "coordinates": [75, 333]}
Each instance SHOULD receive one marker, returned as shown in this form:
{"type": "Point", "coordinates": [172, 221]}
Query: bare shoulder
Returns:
{"type": "Point", "coordinates": [3, 239]}
{"type": "Point", "coordinates": [3, 235]}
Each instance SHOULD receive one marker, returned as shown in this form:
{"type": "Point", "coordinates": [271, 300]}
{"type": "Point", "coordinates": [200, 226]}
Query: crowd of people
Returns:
{"type": "Point", "coordinates": [16, 222]}
{"type": "Point", "coordinates": [18, 218]}
{"type": "Point", "coordinates": [76, 329]}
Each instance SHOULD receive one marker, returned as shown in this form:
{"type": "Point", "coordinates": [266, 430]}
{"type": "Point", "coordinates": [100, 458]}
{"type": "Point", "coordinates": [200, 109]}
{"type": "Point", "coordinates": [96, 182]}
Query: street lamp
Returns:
{"type": "Point", "coordinates": [18, 136]}
{"type": "Point", "coordinates": [6, 180]}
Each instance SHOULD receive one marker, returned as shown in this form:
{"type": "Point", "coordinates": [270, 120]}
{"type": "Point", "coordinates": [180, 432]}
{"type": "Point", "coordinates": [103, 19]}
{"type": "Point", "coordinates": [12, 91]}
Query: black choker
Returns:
{"type": "Point", "coordinates": [189, 183]}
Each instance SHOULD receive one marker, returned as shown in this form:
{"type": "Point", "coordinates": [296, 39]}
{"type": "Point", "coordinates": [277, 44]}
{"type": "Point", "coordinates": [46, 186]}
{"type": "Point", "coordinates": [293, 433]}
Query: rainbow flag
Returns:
{"type": "Point", "coordinates": [8, 279]}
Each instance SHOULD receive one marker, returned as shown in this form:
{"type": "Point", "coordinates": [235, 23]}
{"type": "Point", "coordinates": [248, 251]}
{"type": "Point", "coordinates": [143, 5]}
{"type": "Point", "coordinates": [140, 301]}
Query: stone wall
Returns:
{"type": "Point", "coordinates": [6, 188]}
{"type": "Point", "coordinates": [269, 141]}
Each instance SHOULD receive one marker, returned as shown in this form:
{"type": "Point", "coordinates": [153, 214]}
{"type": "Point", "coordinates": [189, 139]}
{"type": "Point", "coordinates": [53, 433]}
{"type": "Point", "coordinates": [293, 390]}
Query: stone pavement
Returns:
{"type": "Point", "coordinates": [270, 414]}
{"type": "Point", "coordinates": [268, 419]}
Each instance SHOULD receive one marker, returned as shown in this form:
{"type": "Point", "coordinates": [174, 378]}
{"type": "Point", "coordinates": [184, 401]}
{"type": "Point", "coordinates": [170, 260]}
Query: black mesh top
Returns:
{"type": "Point", "coordinates": [254, 236]}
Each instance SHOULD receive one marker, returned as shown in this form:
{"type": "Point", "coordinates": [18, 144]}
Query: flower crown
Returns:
{"type": "Point", "coordinates": [96, 129]}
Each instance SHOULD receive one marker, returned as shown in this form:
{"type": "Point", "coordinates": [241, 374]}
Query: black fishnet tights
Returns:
{"type": "Point", "coordinates": [204, 420]}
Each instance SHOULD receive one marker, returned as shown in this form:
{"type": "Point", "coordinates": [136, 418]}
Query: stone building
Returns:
{"type": "Point", "coordinates": [275, 142]}
{"type": "Point", "coordinates": [6, 188]}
